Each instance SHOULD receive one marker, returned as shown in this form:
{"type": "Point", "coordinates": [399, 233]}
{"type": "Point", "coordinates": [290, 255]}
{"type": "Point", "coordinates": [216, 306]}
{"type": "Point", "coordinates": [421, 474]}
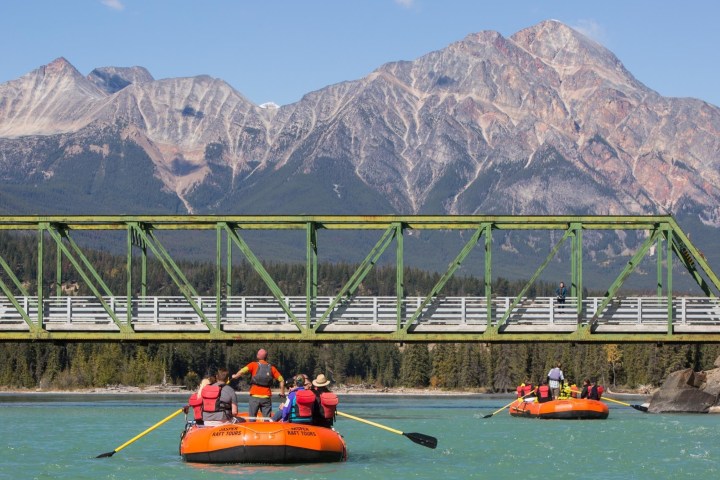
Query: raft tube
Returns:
{"type": "Point", "coordinates": [567, 409]}
{"type": "Point", "coordinates": [262, 442]}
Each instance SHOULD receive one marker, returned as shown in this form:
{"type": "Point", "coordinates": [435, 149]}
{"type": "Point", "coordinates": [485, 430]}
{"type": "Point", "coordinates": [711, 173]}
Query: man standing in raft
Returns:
{"type": "Point", "coordinates": [262, 376]}
{"type": "Point", "coordinates": [556, 379]}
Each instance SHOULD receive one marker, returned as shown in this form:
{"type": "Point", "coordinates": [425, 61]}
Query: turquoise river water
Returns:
{"type": "Point", "coordinates": [46, 436]}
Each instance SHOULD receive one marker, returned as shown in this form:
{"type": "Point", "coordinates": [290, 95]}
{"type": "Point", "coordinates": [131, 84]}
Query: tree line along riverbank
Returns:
{"type": "Point", "coordinates": [480, 367]}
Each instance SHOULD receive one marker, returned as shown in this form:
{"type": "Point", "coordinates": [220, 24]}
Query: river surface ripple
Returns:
{"type": "Point", "coordinates": [50, 436]}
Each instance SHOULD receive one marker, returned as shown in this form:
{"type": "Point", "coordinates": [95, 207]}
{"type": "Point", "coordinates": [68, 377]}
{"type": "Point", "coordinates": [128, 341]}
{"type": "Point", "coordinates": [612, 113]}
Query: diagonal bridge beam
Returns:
{"type": "Point", "coordinates": [84, 268]}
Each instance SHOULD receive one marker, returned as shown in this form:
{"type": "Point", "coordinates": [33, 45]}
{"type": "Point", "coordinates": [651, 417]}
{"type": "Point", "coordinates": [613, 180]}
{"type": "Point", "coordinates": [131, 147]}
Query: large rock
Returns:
{"type": "Point", "coordinates": [712, 382]}
{"type": "Point", "coordinates": [680, 394]}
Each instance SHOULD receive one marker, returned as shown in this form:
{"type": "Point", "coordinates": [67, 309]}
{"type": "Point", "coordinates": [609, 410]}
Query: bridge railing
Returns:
{"type": "Point", "coordinates": [362, 313]}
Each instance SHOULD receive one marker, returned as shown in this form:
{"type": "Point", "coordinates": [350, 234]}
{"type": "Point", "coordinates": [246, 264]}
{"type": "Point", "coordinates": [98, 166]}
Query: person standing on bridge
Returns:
{"type": "Point", "coordinates": [556, 378]}
{"type": "Point", "coordinates": [561, 293]}
{"type": "Point", "coordinates": [262, 376]}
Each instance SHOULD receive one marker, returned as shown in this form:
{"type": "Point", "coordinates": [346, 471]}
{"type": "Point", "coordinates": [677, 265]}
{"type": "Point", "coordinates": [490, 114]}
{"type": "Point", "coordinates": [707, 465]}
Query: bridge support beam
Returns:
{"type": "Point", "coordinates": [144, 232]}
{"type": "Point", "coordinates": [452, 268]}
{"type": "Point", "coordinates": [506, 316]}
{"type": "Point", "coordinates": [85, 269]}
{"type": "Point", "coordinates": [257, 265]}
{"type": "Point", "coordinates": [311, 273]}
{"type": "Point", "coordinates": [423, 323]}
{"type": "Point", "coordinates": [348, 290]}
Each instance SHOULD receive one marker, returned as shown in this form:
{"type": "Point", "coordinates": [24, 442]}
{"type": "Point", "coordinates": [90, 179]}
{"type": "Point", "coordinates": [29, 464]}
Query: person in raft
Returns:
{"type": "Point", "coordinates": [298, 407]}
{"type": "Point", "coordinates": [195, 401]}
{"type": "Point", "coordinates": [569, 390]}
{"type": "Point", "coordinates": [307, 384]}
{"type": "Point", "coordinates": [526, 390]}
{"type": "Point", "coordinates": [591, 390]}
{"type": "Point", "coordinates": [325, 402]}
{"type": "Point", "coordinates": [556, 378]}
{"type": "Point", "coordinates": [219, 401]}
{"type": "Point", "coordinates": [262, 376]}
{"type": "Point", "coordinates": [543, 393]}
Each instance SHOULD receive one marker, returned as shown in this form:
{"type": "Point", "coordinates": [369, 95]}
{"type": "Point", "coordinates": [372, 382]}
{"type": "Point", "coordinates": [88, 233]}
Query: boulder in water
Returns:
{"type": "Point", "coordinates": [682, 393]}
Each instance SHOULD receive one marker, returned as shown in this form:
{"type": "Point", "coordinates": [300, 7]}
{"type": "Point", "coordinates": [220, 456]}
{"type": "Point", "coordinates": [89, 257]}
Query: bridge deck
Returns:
{"type": "Point", "coordinates": [626, 315]}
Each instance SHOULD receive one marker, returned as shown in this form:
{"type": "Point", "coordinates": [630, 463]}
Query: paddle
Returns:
{"type": "Point", "coordinates": [419, 438]}
{"type": "Point", "coordinates": [636, 407]}
{"type": "Point", "coordinates": [166, 419]}
{"type": "Point", "coordinates": [506, 406]}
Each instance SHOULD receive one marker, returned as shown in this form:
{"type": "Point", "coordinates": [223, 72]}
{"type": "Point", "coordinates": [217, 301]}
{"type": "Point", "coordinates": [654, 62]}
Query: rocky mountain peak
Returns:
{"type": "Point", "coordinates": [114, 79]}
{"type": "Point", "coordinates": [546, 121]}
{"type": "Point", "coordinates": [59, 66]}
{"type": "Point", "coordinates": [51, 99]}
{"type": "Point", "coordinates": [562, 46]}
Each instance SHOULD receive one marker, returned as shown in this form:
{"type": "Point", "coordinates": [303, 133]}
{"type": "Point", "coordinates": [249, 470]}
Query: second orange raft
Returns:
{"type": "Point", "coordinates": [567, 409]}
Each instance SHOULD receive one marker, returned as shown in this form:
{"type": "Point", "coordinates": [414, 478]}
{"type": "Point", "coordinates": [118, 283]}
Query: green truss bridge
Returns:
{"type": "Point", "coordinates": [138, 315]}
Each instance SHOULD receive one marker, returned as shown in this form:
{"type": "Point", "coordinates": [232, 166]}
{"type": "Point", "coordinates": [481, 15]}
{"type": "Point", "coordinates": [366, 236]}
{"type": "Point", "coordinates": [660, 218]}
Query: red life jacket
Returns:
{"type": "Point", "coordinates": [329, 402]}
{"type": "Point", "coordinates": [304, 399]}
{"type": "Point", "coordinates": [593, 392]}
{"type": "Point", "coordinates": [196, 401]}
{"type": "Point", "coordinates": [543, 391]}
{"type": "Point", "coordinates": [527, 389]}
{"type": "Point", "coordinates": [211, 399]}
{"type": "Point", "coordinates": [600, 391]}
{"type": "Point", "coordinates": [519, 391]}
{"type": "Point", "coordinates": [301, 409]}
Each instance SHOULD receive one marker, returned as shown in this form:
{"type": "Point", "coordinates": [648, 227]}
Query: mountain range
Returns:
{"type": "Point", "coordinates": [546, 121]}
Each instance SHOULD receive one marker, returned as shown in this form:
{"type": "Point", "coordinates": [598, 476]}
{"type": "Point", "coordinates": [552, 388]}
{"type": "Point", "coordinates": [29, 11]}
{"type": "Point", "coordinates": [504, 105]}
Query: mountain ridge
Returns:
{"type": "Point", "coordinates": [544, 121]}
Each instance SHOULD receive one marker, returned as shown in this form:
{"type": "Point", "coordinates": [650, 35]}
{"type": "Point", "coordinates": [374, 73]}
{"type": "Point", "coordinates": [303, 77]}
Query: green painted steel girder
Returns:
{"type": "Point", "coordinates": [348, 290]}
{"type": "Point", "coordinates": [629, 268]}
{"type": "Point", "coordinates": [140, 230]}
{"type": "Point", "coordinates": [57, 233]}
{"type": "Point", "coordinates": [187, 290]}
{"type": "Point", "coordinates": [260, 269]}
{"type": "Point", "coordinates": [452, 268]}
{"type": "Point", "coordinates": [534, 277]}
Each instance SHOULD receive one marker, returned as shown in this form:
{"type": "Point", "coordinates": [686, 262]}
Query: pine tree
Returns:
{"type": "Point", "coordinates": [415, 366]}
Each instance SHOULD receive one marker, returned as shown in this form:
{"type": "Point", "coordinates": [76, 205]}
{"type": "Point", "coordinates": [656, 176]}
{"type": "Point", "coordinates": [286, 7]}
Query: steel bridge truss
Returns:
{"type": "Point", "coordinates": [346, 316]}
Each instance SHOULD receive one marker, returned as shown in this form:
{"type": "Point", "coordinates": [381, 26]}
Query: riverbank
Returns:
{"type": "Point", "coordinates": [339, 389]}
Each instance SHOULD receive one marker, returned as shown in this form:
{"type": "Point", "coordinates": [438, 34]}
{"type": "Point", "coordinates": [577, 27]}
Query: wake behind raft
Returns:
{"type": "Point", "coordinates": [565, 409]}
{"type": "Point", "coordinates": [262, 442]}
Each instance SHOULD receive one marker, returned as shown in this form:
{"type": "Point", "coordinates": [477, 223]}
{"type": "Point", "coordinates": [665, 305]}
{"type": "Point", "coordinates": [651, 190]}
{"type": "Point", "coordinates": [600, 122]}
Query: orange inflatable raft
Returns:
{"type": "Point", "coordinates": [570, 408]}
{"type": "Point", "coordinates": [262, 442]}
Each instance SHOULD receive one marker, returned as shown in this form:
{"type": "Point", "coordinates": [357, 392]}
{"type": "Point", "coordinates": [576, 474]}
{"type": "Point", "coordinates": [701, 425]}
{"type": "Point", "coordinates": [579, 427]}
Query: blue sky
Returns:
{"type": "Point", "coordinates": [279, 50]}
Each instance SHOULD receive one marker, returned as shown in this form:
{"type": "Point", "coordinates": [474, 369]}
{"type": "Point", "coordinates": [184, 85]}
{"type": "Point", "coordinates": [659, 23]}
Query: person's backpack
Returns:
{"type": "Point", "coordinates": [263, 376]}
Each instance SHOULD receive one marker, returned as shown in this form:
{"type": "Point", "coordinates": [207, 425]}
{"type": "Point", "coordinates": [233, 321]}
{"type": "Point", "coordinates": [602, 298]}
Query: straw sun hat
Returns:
{"type": "Point", "coordinates": [321, 381]}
